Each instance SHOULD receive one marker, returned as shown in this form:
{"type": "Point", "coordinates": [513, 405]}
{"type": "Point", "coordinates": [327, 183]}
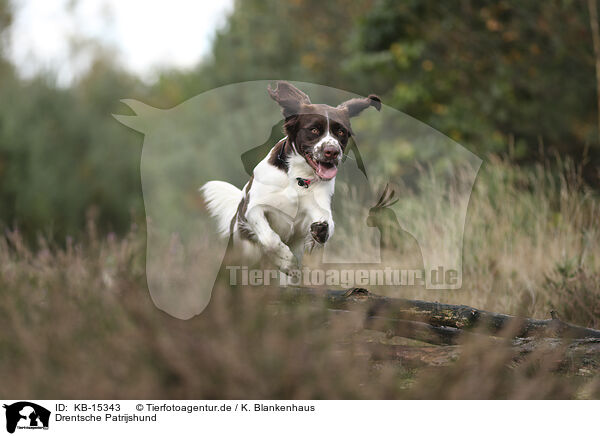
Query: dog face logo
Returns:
{"type": "Point", "coordinates": [217, 135]}
{"type": "Point", "coordinates": [26, 415]}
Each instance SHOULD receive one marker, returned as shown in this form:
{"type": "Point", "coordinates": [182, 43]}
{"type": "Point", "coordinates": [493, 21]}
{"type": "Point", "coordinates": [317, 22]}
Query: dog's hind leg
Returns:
{"type": "Point", "coordinates": [298, 247]}
{"type": "Point", "coordinates": [270, 241]}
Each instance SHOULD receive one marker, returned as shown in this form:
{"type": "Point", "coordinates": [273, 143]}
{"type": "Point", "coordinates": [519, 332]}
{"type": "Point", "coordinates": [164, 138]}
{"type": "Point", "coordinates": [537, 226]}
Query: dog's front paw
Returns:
{"type": "Point", "coordinates": [319, 231]}
{"type": "Point", "coordinates": [287, 265]}
{"type": "Point", "coordinates": [284, 259]}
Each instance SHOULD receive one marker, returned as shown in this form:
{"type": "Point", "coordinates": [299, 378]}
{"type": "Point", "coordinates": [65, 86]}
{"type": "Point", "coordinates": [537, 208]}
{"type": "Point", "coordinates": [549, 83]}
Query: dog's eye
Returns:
{"type": "Point", "coordinates": [341, 132]}
{"type": "Point", "coordinates": [314, 130]}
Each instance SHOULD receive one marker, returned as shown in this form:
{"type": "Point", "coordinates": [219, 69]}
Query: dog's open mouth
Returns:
{"type": "Point", "coordinates": [324, 170]}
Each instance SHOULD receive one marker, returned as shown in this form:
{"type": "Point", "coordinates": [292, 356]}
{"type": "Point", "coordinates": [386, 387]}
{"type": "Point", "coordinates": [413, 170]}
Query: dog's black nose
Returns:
{"type": "Point", "coordinates": [331, 152]}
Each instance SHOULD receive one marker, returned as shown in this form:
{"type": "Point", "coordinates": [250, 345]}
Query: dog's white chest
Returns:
{"type": "Point", "coordinates": [291, 207]}
{"type": "Point", "coordinates": [310, 204]}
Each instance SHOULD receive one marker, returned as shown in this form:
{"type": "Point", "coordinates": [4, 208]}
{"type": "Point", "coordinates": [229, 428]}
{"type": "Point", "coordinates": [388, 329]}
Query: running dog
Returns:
{"type": "Point", "coordinates": [285, 208]}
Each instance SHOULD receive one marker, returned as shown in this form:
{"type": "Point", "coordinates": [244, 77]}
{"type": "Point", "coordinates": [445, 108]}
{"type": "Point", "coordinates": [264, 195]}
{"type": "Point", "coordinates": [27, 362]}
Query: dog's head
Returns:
{"type": "Point", "coordinates": [319, 132]}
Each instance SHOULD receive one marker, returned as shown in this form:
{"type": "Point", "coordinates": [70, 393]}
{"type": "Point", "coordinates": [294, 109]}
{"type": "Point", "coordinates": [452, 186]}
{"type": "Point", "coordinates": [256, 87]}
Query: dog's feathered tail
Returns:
{"type": "Point", "coordinates": [222, 200]}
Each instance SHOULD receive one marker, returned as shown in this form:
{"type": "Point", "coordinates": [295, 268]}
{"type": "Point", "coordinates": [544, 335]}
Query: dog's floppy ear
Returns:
{"type": "Point", "coordinates": [289, 98]}
{"type": "Point", "coordinates": [356, 105]}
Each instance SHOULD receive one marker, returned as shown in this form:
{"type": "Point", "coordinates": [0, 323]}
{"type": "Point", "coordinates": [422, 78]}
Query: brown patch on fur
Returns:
{"type": "Point", "coordinates": [295, 102]}
{"type": "Point", "coordinates": [240, 215]}
{"type": "Point", "coordinates": [320, 231]}
{"type": "Point", "coordinates": [278, 154]}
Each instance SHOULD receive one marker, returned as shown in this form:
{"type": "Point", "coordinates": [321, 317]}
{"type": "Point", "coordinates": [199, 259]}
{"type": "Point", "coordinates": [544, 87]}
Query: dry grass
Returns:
{"type": "Point", "coordinates": [78, 321]}
{"type": "Point", "coordinates": [531, 242]}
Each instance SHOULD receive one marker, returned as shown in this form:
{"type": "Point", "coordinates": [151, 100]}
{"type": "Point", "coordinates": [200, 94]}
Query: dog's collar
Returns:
{"type": "Point", "coordinates": [304, 183]}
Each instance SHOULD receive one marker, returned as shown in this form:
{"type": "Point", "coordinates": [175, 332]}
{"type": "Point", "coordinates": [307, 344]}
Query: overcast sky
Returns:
{"type": "Point", "coordinates": [146, 33]}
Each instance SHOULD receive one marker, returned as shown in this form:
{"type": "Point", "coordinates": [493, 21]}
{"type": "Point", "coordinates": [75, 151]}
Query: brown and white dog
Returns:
{"type": "Point", "coordinates": [285, 208]}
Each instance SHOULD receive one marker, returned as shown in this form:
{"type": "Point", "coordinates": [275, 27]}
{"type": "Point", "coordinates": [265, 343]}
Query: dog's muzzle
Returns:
{"type": "Point", "coordinates": [325, 159]}
{"type": "Point", "coordinates": [328, 152]}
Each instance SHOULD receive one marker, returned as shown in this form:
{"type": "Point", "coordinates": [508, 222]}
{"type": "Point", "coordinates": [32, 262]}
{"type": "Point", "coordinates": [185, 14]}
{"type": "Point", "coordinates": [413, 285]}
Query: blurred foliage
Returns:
{"type": "Point", "coordinates": [487, 72]}
{"type": "Point", "coordinates": [501, 77]}
{"type": "Point", "coordinates": [303, 40]}
{"type": "Point", "coordinates": [61, 153]}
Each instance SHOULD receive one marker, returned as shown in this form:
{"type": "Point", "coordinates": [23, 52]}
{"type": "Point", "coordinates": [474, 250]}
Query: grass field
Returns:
{"type": "Point", "coordinates": [78, 320]}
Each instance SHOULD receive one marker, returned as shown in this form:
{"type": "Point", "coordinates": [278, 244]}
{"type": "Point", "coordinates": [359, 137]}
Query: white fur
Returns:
{"type": "Point", "coordinates": [222, 200]}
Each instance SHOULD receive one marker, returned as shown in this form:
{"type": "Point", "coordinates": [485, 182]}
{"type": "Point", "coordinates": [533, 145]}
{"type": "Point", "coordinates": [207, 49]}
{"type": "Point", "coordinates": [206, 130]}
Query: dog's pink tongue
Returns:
{"type": "Point", "coordinates": [326, 172]}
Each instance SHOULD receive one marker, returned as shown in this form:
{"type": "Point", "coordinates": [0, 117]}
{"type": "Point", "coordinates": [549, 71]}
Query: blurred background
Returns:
{"type": "Point", "coordinates": [516, 83]}
{"type": "Point", "coordinates": [519, 82]}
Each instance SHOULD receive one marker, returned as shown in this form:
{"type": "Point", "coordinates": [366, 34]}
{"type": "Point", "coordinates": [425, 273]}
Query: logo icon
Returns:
{"type": "Point", "coordinates": [26, 415]}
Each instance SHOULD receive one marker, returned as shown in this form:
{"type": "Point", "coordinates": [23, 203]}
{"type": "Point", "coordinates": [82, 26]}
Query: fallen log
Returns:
{"type": "Point", "coordinates": [578, 357]}
{"type": "Point", "coordinates": [420, 331]}
{"type": "Point", "coordinates": [444, 315]}
{"type": "Point", "coordinates": [552, 344]}
{"type": "Point", "coordinates": [416, 357]}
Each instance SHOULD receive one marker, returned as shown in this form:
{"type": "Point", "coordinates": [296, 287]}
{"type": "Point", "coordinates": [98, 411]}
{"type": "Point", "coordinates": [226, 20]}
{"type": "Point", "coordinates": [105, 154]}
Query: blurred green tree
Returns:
{"type": "Point", "coordinates": [487, 73]}
{"type": "Point", "coordinates": [61, 152]}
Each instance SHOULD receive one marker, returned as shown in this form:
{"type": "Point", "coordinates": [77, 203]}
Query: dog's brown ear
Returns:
{"type": "Point", "coordinates": [356, 105]}
{"type": "Point", "coordinates": [289, 98]}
